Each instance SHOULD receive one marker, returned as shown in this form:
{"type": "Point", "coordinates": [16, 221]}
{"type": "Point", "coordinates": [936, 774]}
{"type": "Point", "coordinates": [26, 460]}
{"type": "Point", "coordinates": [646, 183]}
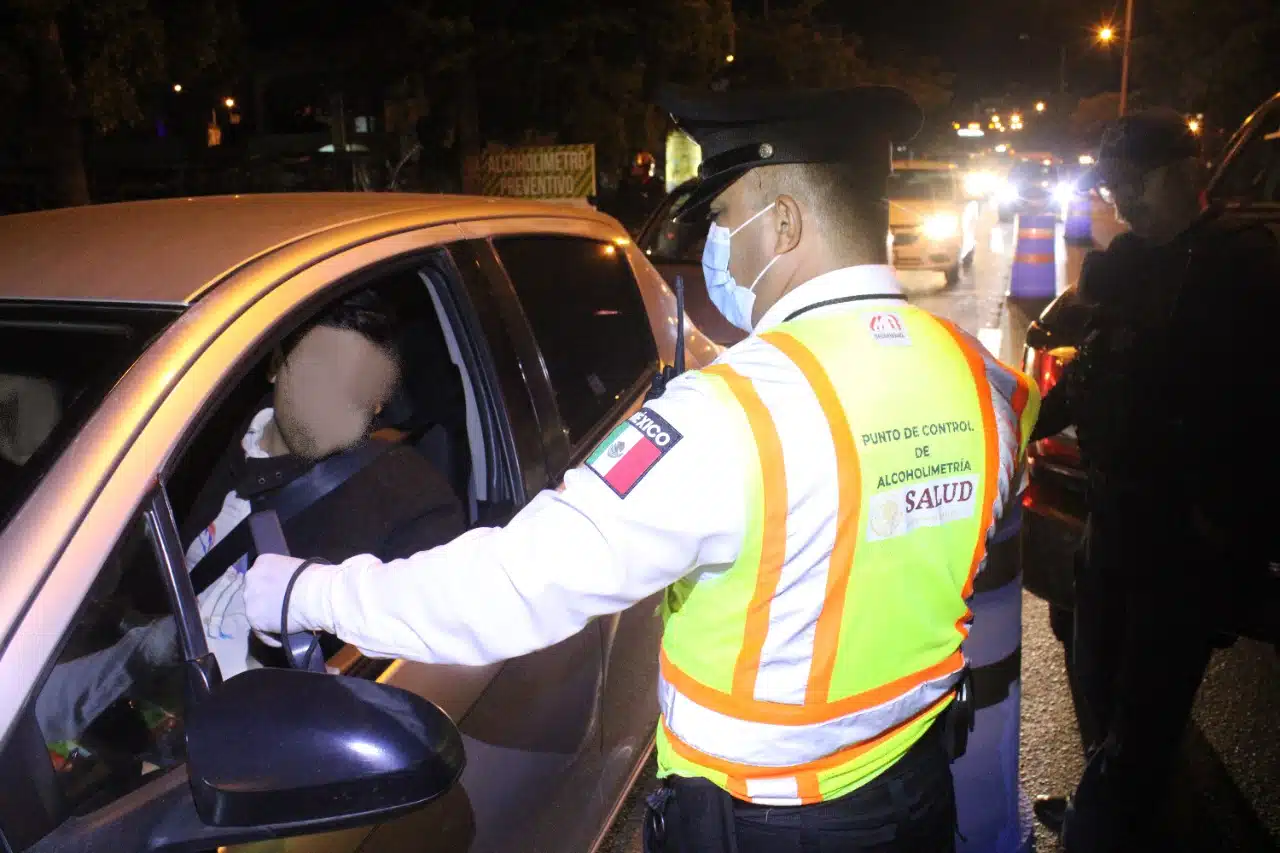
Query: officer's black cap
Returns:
{"type": "Point", "coordinates": [738, 131]}
{"type": "Point", "coordinates": [1141, 142]}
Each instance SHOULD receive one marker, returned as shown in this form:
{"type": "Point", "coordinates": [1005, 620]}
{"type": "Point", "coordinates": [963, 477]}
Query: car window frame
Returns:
{"type": "Point", "coordinates": [437, 263]}
{"type": "Point", "coordinates": [1248, 131]}
{"type": "Point", "coordinates": [589, 437]}
{"type": "Point", "coordinates": [149, 321]}
{"type": "Point", "coordinates": [145, 457]}
{"type": "Point", "coordinates": [647, 239]}
{"type": "Point", "coordinates": [563, 454]}
{"type": "Point", "coordinates": [662, 213]}
{"type": "Point", "coordinates": [19, 750]}
{"type": "Point", "coordinates": [519, 373]}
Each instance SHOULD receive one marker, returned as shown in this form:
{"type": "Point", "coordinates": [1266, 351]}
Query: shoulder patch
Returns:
{"type": "Point", "coordinates": [632, 449]}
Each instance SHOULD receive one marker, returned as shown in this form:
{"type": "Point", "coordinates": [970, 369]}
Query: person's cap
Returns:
{"type": "Point", "coordinates": [740, 130]}
{"type": "Point", "coordinates": [1141, 142]}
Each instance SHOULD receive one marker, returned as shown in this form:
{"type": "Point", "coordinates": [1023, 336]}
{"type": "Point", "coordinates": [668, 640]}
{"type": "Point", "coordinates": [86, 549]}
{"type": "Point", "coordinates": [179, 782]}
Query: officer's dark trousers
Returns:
{"type": "Point", "coordinates": [910, 808]}
{"type": "Point", "coordinates": [1141, 648]}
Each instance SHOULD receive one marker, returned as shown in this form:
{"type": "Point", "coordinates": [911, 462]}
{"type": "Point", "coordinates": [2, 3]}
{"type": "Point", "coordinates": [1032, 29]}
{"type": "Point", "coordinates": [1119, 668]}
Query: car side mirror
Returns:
{"type": "Point", "coordinates": [274, 753]}
{"type": "Point", "coordinates": [301, 752]}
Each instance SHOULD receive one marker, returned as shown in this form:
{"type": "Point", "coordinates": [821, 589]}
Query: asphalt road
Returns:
{"type": "Point", "coordinates": [1227, 794]}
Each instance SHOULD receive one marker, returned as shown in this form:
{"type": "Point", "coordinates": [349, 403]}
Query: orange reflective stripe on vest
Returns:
{"type": "Point", "coordinates": [991, 462]}
{"type": "Point", "coordinates": [773, 549]}
{"type": "Point", "coordinates": [827, 631]}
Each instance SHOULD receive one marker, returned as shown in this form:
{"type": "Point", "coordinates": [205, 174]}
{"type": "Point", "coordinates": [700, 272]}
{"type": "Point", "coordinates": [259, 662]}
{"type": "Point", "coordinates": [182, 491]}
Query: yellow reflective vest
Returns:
{"type": "Point", "coordinates": [816, 660]}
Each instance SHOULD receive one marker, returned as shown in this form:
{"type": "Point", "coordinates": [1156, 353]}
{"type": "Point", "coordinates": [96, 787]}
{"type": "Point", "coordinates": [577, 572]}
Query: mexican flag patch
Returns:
{"type": "Point", "coordinates": [632, 449]}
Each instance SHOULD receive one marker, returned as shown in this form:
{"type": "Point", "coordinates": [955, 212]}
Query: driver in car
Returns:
{"type": "Point", "coordinates": [331, 379]}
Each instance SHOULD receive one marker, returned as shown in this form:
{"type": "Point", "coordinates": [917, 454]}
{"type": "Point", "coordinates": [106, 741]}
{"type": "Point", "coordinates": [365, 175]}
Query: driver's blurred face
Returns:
{"type": "Point", "coordinates": [328, 390]}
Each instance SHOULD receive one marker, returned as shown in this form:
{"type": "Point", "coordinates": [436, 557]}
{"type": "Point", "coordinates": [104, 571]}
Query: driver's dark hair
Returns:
{"type": "Point", "coordinates": [363, 311]}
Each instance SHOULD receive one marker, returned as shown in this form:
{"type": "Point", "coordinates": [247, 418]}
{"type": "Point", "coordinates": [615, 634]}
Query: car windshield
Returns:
{"type": "Point", "coordinates": [922, 184]}
{"type": "Point", "coordinates": [1034, 172]}
{"type": "Point", "coordinates": [665, 240]}
{"type": "Point", "coordinates": [57, 364]}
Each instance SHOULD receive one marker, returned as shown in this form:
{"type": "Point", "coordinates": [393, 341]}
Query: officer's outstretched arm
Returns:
{"type": "Point", "coordinates": [661, 496]}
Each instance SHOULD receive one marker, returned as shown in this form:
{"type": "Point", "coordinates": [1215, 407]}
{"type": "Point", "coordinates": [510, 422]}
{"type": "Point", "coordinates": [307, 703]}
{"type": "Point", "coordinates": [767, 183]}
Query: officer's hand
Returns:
{"type": "Point", "coordinates": [264, 587]}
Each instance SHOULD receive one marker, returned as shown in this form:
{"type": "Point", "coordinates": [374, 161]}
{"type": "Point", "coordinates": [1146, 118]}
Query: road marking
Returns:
{"type": "Point", "coordinates": [992, 340]}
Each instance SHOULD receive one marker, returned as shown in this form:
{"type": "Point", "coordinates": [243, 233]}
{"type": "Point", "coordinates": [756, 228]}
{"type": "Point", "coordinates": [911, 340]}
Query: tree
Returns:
{"type": "Point", "coordinates": [77, 65]}
{"type": "Point", "coordinates": [506, 71]}
{"type": "Point", "coordinates": [1093, 114]}
{"type": "Point", "coordinates": [1219, 59]}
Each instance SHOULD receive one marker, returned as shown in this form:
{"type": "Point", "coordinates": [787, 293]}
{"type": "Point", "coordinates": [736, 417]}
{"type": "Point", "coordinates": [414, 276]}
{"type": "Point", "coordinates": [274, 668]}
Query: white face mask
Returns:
{"type": "Point", "coordinates": [732, 299]}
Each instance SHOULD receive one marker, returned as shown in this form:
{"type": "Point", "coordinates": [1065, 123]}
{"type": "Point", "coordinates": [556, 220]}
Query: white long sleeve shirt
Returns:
{"type": "Point", "coordinates": [587, 550]}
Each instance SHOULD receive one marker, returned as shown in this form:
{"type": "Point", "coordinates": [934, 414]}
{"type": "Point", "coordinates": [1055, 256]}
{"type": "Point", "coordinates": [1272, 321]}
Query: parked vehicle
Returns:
{"type": "Point", "coordinates": [152, 326]}
{"type": "Point", "coordinates": [931, 219]}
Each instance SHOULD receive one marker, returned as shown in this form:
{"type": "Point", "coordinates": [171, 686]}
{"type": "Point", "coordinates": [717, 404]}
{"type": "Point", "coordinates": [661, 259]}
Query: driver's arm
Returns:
{"type": "Point", "coordinates": [570, 555]}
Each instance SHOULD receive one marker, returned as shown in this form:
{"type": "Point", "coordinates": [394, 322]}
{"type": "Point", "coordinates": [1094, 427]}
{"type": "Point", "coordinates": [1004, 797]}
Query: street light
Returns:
{"type": "Point", "coordinates": [230, 103]}
{"type": "Point", "coordinates": [1106, 34]}
{"type": "Point", "coordinates": [177, 87]}
{"type": "Point", "coordinates": [1193, 125]}
{"type": "Point", "coordinates": [729, 59]}
{"type": "Point", "coordinates": [1124, 66]}
{"type": "Point", "coordinates": [1039, 106]}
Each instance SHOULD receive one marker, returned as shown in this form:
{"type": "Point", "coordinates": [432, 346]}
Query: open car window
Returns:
{"type": "Point", "coordinates": [111, 708]}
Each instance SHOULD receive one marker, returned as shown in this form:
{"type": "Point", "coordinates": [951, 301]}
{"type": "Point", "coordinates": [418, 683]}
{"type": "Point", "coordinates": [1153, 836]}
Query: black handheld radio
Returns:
{"type": "Point", "coordinates": [671, 371]}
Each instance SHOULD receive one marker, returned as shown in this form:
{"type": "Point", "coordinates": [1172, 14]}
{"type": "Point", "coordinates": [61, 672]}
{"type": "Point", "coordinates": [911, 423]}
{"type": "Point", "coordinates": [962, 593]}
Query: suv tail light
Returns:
{"type": "Point", "coordinates": [1045, 366]}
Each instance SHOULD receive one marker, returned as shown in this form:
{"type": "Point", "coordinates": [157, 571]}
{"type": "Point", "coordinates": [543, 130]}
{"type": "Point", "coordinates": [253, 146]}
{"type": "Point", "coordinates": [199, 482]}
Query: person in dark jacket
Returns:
{"type": "Point", "coordinates": [1155, 394]}
{"type": "Point", "coordinates": [331, 378]}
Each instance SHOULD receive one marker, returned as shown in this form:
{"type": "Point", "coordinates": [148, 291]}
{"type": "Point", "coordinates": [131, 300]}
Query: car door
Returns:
{"type": "Point", "coordinates": [527, 721]}
{"type": "Point", "coordinates": [533, 734]}
{"type": "Point", "coordinates": [576, 293]}
{"type": "Point", "coordinates": [532, 726]}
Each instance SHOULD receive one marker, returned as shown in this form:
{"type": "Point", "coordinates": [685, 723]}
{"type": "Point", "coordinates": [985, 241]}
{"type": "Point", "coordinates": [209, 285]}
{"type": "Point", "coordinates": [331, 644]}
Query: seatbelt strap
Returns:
{"type": "Point", "coordinates": [289, 501]}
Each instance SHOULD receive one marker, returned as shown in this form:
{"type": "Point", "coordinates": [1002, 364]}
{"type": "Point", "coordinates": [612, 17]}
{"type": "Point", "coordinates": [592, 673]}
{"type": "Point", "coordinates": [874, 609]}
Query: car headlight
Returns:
{"type": "Point", "coordinates": [978, 184]}
{"type": "Point", "coordinates": [1008, 192]}
{"type": "Point", "coordinates": [1063, 193]}
{"type": "Point", "coordinates": [940, 226]}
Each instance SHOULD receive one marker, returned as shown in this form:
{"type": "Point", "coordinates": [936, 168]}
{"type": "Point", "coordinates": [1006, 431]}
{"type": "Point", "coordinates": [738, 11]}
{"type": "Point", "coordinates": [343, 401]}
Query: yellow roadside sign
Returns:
{"type": "Point", "coordinates": [683, 158]}
{"type": "Point", "coordinates": [544, 171]}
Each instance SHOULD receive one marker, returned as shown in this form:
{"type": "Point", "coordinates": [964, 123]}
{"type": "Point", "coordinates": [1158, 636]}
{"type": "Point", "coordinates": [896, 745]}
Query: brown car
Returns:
{"type": "Point", "coordinates": [131, 337]}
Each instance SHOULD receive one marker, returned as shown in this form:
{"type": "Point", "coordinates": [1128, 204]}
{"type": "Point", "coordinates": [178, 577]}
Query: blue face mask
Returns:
{"type": "Point", "coordinates": [732, 299]}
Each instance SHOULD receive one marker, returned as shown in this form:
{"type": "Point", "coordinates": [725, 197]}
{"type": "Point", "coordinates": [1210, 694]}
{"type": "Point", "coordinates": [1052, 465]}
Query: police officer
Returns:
{"type": "Point", "coordinates": [1157, 393]}
{"type": "Point", "coordinates": [815, 504]}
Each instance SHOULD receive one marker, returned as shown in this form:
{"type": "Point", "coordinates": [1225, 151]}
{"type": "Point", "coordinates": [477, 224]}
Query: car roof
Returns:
{"type": "Point", "coordinates": [923, 166]}
{"type": "Point", "coordinates": [171, 251]}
